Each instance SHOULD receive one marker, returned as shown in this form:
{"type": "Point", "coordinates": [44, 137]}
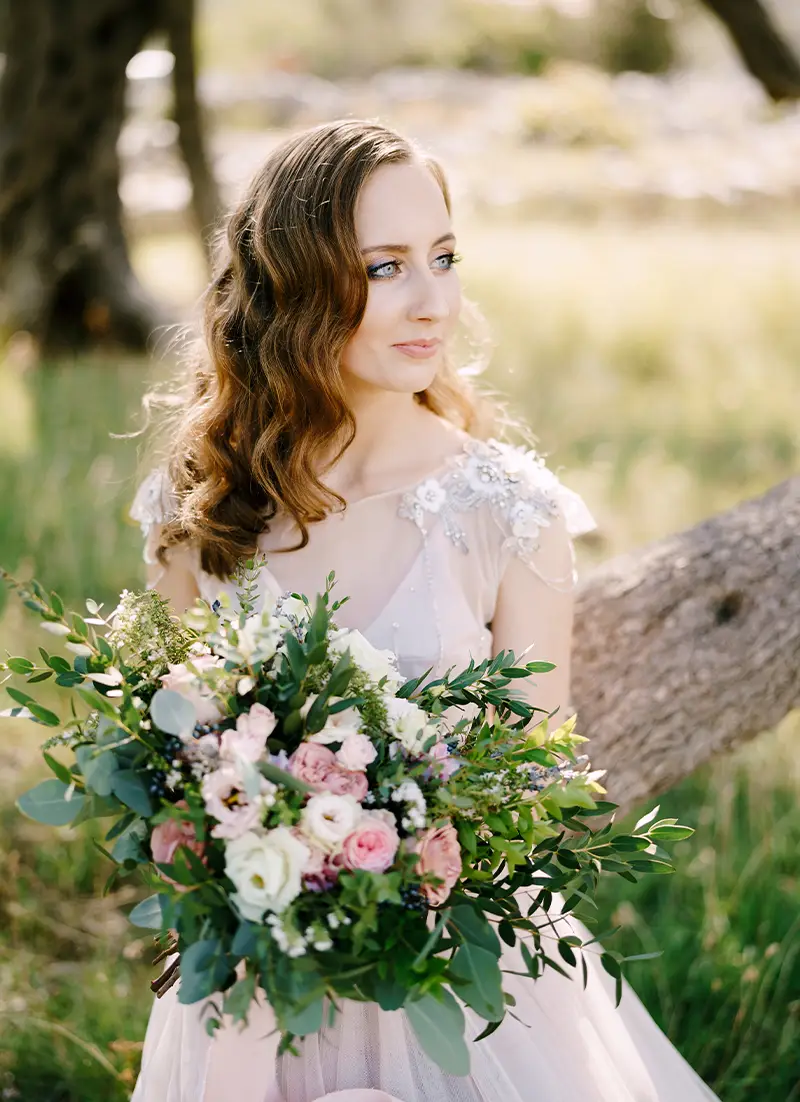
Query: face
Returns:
{"type": "Point", "coordinates": [408, 245]}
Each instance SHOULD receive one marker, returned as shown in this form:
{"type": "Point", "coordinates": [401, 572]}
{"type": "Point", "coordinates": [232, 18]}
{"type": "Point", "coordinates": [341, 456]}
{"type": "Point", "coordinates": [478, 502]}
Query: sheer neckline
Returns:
{"type": "Point", "coordinates": [443, 468]}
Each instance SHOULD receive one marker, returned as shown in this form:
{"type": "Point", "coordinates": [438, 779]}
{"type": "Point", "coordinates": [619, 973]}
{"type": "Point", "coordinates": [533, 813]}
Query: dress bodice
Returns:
{"type": "Point", "coordinates": [421, 564]}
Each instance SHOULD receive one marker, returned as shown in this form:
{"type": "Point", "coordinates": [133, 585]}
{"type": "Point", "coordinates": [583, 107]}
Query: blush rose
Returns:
{"type": "Point", "coordinates": [440, 856]}
{"type": "Point", "coordinates": [169, 836]}
{"type": "Point", "coordinates": [373, 844]}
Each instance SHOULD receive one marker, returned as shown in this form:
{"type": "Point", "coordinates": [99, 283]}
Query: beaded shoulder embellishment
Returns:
{"type": "Point", "coordinates": [522, 493]}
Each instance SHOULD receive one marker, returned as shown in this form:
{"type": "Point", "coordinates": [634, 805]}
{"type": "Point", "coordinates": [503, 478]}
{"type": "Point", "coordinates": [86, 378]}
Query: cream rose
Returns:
{"type": "Point", "coordinates": [266, 870]}
{"type": "Point", "coordinates": [408, 723]}
{"type": "Point", "coordinates": [327, 819]}
{"type": "Point", "coordinates": [375, 663]}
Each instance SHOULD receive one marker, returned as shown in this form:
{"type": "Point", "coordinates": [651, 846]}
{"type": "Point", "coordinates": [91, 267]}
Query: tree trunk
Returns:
{"type": "Point", "coordinates": [206, 204]}
{"type": "Point", "coordinates": [690, 646]}
{"type": "Point", "coordinates": [65, 274]}
{"type": "Point", "coordinates": [760, 45]}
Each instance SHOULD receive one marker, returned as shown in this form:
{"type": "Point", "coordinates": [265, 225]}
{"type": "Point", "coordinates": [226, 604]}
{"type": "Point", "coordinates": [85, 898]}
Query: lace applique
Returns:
{"type": "Point", "coordinates": [522, 493]}
{"type": "Point", "coordinates": [154, 501]}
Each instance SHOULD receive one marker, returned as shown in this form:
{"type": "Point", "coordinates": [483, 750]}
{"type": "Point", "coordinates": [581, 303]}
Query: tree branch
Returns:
{"type": "Point", "coordinates": [691, 645]}
{"type": "Point", "coordinates": [760, 45]}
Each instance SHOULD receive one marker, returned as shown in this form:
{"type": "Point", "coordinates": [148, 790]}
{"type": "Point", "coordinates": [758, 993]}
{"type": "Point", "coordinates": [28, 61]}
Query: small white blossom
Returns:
{"type": "Point", "coordinates": [431, 495]}
{"type": "Point", "coordinates": [245, 685]}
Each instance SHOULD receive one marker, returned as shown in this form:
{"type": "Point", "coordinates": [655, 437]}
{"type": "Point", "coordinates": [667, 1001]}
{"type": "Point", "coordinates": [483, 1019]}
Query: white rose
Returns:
{"type": "Point", "coordinates": [408, 723]}
{"type": "Point", "coordinates": [258, 639]}
{"type": "Point", "coordinates": [266, 870]}
{"type": "Point", "coordinates": [375, 663]}
{"type": "Point", "coordinates": [356, 752]}
{"type": "Point", "coordinates": [328, 819]}
{"type": "Point", "coordinates": [338, 726]}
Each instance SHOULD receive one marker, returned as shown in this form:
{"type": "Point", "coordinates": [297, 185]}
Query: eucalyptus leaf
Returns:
{"type": "Point", "coordinates": [172, 712]}
{"type": "Point", "coordinates": [98, 768]}
{"type": "Point", "coordinates": [307, 1019]}
{"type": "Point", "coordinates": [482, 987]}
{"type": "Point", "coordinates": [129, 787]}
{"type": "Point", "coordinates": [47, 803]}
{"type": "Point", "coordinates": [439, 1027]}
{"type": "Point", "coordinates": [473, 927]}
{"type": "Point", "coordinates": [148, 913]}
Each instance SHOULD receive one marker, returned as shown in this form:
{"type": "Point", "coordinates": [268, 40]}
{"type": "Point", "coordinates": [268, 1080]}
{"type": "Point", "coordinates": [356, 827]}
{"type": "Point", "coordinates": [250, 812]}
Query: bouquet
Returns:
{"type": "Point", "coordinates": [311, 826]}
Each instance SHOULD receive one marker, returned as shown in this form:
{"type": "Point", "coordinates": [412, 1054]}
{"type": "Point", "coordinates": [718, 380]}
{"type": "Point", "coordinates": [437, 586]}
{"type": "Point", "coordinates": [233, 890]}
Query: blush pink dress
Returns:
{"type": "Point", "coordinates": [423, 565]}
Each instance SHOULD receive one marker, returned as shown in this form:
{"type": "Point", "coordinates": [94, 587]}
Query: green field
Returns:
{"type": "Point", "coordinates": [657, 364]}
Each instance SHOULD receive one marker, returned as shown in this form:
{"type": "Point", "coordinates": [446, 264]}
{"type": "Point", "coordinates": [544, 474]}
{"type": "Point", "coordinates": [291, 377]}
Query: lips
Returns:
{"type": "Point", "coordinates": [419, 350]}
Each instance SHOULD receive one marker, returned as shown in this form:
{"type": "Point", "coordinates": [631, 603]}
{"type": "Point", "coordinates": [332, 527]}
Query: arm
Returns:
{"type": "Point", "coordinates": [175, 581]}
{"type": "Point", "coordinates": [534, 613]}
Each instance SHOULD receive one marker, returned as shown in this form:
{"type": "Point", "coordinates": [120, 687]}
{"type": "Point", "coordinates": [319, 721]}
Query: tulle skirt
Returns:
{"type": "Point", "coordinates": [563, 1044]}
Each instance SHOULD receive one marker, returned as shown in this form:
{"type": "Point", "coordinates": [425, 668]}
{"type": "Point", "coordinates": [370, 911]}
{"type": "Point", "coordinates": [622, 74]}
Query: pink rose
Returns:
{"type": "Point", "coordinates": [225, 799]}
{"type": "Point", "coordinates": [356, 752]}
{"type": "Point", "coordinates": [439, 855]}
{"type": "Point", "coordinates": [249, 738]}
{"type": "Point", "coordinates": [312, 763]}
{"type": "Point", "coordinates": [445, 766]}
{"type": "Point", "coordinates": [347, 782]}
{"type": "Point", "coordinates": [373, 844]}
{"type": "Point", "coordinates": [167, 837]}
{"type": "Point", "coordinates": [180, 679]}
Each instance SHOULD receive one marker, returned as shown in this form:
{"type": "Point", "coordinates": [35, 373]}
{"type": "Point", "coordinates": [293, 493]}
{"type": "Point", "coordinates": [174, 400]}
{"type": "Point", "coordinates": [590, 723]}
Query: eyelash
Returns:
{"type": "Point", "coordinates": [454, 258]}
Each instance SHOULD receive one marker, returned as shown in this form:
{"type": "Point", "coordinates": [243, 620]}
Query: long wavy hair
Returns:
{"type": "Point", "coordinates": [263, 399]}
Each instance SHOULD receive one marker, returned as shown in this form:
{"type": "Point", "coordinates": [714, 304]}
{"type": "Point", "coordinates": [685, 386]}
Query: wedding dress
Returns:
{"type": "Point", "coordinates": [422, 565]}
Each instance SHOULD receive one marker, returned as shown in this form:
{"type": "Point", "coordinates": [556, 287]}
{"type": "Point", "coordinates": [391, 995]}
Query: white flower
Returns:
{"type": "Point", "coordinates": [55, 629]}
{"type": "Point", "coordinates": [266, 870]}
{"type": "Point", "coordinates": [328, 819]}
{"type": "Point", "coordinates": [338, 726]}
{"type": "Point", "coordinates": [80, 649]}
{"type": "Point", "coordinates": [245, 685]}
{"type": "Point", "coordinates": [226, 799]}
{"type": "Point", "coordinates": [526, 520]}
{"type": "Point", "coordinates": [294, 608]}
{"type": "Point", "coordinates": [410, 794]}
{"type": "Point", "coordinates": [482, 474]}
{"type": "Point", "coordinates": [356, 752]}
{"type": "Point", "coordinates": [375, 663]}
{"type": "Point", "coordinates": [258, 639]}
{"type": "Point", "coordinates": [408, 723]}
{"type": "Point", "coordinates": [431, 495]}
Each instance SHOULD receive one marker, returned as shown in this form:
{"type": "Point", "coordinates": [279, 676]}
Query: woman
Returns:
{"type": "Point", "coordinates": [328, 428]}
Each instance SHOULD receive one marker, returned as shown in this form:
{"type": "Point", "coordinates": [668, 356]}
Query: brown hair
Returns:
{"type": "Point", "coordinates": [265, 399]}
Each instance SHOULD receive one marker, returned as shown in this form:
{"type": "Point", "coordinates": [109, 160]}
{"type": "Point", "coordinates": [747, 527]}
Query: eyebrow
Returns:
{"type": "Point", "coordinates": [407, 248]}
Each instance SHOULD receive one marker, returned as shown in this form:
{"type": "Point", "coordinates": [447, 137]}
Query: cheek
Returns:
{"type": "Point", "coordinates": [376, 328]}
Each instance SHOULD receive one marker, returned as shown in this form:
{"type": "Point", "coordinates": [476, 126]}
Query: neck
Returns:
{"type": "Point", "coordinates": [386, 426]}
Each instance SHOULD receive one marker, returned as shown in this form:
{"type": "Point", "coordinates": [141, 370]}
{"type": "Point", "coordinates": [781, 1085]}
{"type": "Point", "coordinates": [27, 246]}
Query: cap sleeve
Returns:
{"type": "Point", "coordinates": [536, 517]}
{"type": "Point", "coordinates": [153, 504]}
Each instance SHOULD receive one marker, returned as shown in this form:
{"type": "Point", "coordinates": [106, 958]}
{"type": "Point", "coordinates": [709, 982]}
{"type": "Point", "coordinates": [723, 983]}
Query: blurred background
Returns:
{"type": "Point", "coordinates": [626, 184]}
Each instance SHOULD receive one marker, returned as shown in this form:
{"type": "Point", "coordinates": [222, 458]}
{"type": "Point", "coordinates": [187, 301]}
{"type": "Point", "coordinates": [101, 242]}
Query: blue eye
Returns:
{"type": "Point", "coordinates": [374, 269]}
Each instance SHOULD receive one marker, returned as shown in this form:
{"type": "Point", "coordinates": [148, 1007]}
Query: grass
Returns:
{"type": "Point", "coordinates": [657, 365]}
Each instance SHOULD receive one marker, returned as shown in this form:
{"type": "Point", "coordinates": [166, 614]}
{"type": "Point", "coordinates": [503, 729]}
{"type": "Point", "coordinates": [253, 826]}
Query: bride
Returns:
{"type": "Point", "coordinates": [327, 426]}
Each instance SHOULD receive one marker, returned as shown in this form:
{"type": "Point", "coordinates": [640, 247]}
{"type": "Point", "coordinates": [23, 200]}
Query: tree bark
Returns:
{"type": "Point", "coordinates": [690, 646]}
{"type": "Point", "coordinates": [767, 56]}
{"type": "Point", "coordinates": [206, 204]}
{"type": "Point", "coordinates": [65, 274]}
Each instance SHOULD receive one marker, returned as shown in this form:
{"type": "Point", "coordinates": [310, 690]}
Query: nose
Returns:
{"type": "Point", "coordinates": [429, 302]}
